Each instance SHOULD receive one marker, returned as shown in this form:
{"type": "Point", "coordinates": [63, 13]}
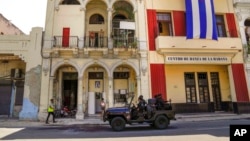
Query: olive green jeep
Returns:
{"type": "Point", "coordinates": [158, 117]}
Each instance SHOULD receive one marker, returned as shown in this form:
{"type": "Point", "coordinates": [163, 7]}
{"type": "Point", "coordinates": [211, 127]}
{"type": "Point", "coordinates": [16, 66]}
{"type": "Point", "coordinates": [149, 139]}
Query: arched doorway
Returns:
{"type": "Point", "coordinates": [65, 87]}
{"type": "Point", "coordinates": [124, 84]}
{"type": "Point", "coordinates": [95, 83]}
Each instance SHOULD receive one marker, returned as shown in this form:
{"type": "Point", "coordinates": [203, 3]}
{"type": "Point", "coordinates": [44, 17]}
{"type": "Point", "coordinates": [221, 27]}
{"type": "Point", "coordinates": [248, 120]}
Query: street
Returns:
{"type": "Point", "coordinates": [217, 130]}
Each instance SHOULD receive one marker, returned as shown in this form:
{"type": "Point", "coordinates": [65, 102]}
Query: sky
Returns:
{"type": "Point", "coordinates": [24, 14]}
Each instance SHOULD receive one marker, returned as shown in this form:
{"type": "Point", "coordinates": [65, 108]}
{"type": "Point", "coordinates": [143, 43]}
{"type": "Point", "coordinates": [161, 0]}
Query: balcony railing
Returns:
{"type": "Point", "coordinates": [97, 42]}
{"type": "Point", "coordinates": [130, 42]}
{"type": "Point", "coordinates": [65, 41]}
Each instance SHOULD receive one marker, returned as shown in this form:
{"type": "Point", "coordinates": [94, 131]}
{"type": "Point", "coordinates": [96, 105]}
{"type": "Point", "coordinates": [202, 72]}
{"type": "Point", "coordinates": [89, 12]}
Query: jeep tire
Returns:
{"type": "Point", "coordinates": [161, 122]}
{"type": "Point", "coordinates": [118, 124]}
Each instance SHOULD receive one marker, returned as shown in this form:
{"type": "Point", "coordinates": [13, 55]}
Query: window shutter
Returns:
{"type": "Point", "coordinates": [240, 82]}
{"type": "Point", "coordinates": [231, 25]}
{"type": "Point", "coordinates": [179, 23]}
{"type": "Point", "coordinates": [152, 28]}
{"type": "Point", "coordinates": [158, 82]}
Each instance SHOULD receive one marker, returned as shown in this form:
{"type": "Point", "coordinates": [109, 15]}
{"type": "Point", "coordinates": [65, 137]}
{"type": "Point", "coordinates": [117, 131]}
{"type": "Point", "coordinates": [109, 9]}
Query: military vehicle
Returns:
{"type": "Point", "coordinates": [153, 113]}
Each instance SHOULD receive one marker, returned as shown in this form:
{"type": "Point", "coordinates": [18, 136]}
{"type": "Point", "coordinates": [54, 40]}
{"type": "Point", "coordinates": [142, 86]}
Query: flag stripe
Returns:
{"type": "Point", "coordinates": [215, 34]}
{"type": "Point", "coordinates": [189, 15]}
{"type": "Point", "coordinates": [200, 19]}
{"type": "Point", "coordinates": [209, 16]}
{"type": "Point", "coordinates": [196, 19]}
{"type": "Point", "coordinates": [203, 18]}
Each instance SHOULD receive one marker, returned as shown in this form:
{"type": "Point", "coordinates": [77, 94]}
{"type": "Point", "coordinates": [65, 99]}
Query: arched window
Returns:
{"type": "Point", "coordinates": [119, 17]}
{"type": "Point", "coordinates": [96, 19]}
{"type": "Point", "coordinates": [70, 2]}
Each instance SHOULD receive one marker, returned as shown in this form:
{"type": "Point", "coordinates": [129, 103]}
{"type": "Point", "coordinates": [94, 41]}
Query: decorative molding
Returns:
{"type": "Point", "coordinates": [238, 14]}
{"type": "Point", "coordinates": [75, 52]}
{"type": "Point", "coordinates": [82, 9]}
{"type": "Point", "coordinates": [57, 8]}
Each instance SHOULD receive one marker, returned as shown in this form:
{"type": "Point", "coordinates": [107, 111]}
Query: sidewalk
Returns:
{"type": "Point", "coordinates": [13, 122]}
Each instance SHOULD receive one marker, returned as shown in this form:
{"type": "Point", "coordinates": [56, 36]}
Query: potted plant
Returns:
{"type": "Point", "coordinates": [134, 45]}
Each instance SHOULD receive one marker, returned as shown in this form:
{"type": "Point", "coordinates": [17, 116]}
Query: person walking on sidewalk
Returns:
{"type": "Point", "coordinates": [51, 111]}
{"type": "Point", "coordinates": [103, 105]}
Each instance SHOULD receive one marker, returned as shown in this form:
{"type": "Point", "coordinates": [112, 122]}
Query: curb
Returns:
{"type": "Point", "coordinates": [8, 122]}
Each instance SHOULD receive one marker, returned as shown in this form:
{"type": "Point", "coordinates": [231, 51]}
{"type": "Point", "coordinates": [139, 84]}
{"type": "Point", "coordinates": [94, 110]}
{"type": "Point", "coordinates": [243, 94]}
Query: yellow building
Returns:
{"type": "Point", "coordinates": [197, 74]}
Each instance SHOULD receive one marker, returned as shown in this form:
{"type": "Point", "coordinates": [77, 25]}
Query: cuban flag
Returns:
{"type": "Point", "coordinates": [200, 19]}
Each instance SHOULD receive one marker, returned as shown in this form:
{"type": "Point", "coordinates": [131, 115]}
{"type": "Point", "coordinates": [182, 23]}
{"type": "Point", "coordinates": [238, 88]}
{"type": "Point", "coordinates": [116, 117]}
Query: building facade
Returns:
{"type": "Point", "coordinates": [20, 63]}
{"type": "Point", "coordinates": [198, 75]}
{"type": "Point", "coordinates": [93, 49]}
{"type": "Point", "coordinates": [242, 11]}
{"type": "Point", "coordinates": [8, 62]}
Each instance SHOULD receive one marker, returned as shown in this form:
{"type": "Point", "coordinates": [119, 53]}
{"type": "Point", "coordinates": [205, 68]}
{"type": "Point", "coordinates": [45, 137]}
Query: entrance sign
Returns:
{"type": "Point", "coordinates": [197, 59]}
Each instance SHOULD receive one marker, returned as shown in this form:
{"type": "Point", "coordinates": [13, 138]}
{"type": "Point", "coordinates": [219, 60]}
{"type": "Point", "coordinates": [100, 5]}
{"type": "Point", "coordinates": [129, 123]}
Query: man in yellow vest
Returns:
{"type": "Point", "coordinates": [51, 111]}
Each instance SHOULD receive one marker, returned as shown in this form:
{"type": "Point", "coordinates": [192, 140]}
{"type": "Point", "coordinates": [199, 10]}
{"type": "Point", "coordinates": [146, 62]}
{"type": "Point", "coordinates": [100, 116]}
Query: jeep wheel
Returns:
{"type": "Point", "coordinates": [118, 124]}
{"type": "Point", "coordinates": [161, 122]}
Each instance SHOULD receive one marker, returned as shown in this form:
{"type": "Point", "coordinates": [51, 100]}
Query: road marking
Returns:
{"type": "Point", "coordinates": [214, 128]}
{"type": "Point", "coordinates": [8, 131]}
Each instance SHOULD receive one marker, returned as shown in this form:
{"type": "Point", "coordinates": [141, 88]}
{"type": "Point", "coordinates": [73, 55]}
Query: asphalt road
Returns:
{"type": "Point", "coordinates": [178, 131]}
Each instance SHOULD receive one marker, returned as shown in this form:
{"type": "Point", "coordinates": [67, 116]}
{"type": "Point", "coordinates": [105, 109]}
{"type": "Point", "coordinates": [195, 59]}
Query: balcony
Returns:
{"type": "Point", "coordinates": [67, 46]}
{"type": "Point", "coordinates": [180, 45]}
{"type": "Point", "coordinates": [242, 3]}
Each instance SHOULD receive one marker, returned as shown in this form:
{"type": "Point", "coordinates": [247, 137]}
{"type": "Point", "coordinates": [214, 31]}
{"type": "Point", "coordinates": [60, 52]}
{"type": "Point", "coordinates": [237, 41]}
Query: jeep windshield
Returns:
{"type": "Point", "coordinates": [129, 100]}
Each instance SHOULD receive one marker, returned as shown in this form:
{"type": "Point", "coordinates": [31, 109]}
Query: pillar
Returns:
{"type": "Point", "coordinates": [111, 94]}
{"type": "Point", "coordinates": [80, 114]}
{"type": "Point", "coordinates": [110, 41]}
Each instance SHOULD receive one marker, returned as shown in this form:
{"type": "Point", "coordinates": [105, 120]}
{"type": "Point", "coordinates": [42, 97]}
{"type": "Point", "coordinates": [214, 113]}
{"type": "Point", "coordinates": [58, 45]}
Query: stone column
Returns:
{"type": "Point", "coordinates": [141, 24]}
{"type": "Point", "coordinates": [144, 83]}
{"type": "Point", "coordinates": [110, 41]}
{"type": "Point", "coordinates": [231, 82]}
{"type": "Point", "coordinates": [111, 93]}
{"type": "Point", "coordinates": [81, 39]}
{"type": "Point", "coordinates": [138, 79]}
{"type": "Point", "coordinates": [80, 114]}
{"type": "Point", "coordinates": [51, 95]}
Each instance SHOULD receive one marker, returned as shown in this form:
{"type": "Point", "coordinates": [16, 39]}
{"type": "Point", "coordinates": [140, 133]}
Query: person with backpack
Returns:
{"type": "Point", "coordinates": [51, 110]}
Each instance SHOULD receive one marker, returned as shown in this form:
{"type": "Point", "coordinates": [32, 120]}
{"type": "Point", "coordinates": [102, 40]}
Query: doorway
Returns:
{"type": "Point", "coordinates": [216, 90]}
{"type": "Point", "coordinates": [65, 39]}
{"type": "Point", "coordinates": [96, 87]}
{"type": "Point", "coordinates": [69, 96]}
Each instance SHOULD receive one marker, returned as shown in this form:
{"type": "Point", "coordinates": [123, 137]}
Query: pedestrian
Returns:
{"type": "Point", "coordinates": [51, 110]}
{"type": "Point", "coordinates": [92, 38]}
{"type": "Point", "coordinates": [103, 105]}
{"type": "Point", "coordinates": [101, 37]}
